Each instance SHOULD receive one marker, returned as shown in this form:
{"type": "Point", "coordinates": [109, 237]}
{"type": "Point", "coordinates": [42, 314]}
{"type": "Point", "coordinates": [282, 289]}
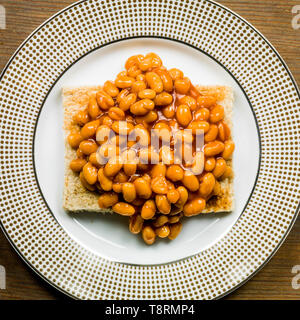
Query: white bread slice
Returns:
{"type": "Point", "coordinates": [77, 199]}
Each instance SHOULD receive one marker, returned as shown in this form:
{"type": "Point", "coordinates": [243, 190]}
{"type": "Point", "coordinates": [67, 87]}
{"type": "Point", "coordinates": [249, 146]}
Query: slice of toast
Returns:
{"type": "Point", "coordinates": [77, 199]}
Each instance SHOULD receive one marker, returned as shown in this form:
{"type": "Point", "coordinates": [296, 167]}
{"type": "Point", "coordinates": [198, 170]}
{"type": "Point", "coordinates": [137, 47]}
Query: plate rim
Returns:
{"type": "Point", "coordinates": [283, 63]}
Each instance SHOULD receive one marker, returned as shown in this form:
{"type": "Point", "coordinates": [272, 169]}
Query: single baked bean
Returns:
{"type": "Point", "coordinates": [138, 86]}
{"type": "Point", "coordinates": [194, 207]}
{"type": "Point", "coordinates": [148, 210]}
{"type": "Point", "coordinates": [210, 164]}
{"type": "Point", "coordinates": [168, 111]}
{"type": "Point", "coordinates": [110, 88]}
{"type": "Point", "coordinates": [198, 163]}
{"type": "Point", "coordinates": [228, 149]}
{"type": "Point", "coordinates": [80, 154]}
{"type": "Point", "coordinates": [142, 107]}
{"type": "Point", "coordinates": [198, 127]}
{"type": "Point", "coordinates": [82, 117]}
{"type": "Point", "coordinates": [122, 127]}
{"type": "Point", "coordinates": [105, 183]}
{"type": "Point", "coordinates": [102, 133]}
{"type": "Point", "coordinates": [121, 177]}
{"type": "Point", "coordinates": [124, 209]}
{"type": "Point", "coordinates": [155, 59]}
{"type": "Point", "coordinates": [158, 170]}
{"type": "Point", "coordinates": [148, 235]}
{"type": "Point", "coordinates": [147, 94]}
{"type": "Point", "coordinates": [151, 116]}
{"type": "Point", "coordinates": [134, 71]}
{"type": "Point", "coordinates": [163, 99]}
{"type": "Point", "coordinates": [183, 115]}
{"type": "Point", "coordinates": [206, 101]}
{"type": "Point", "coordinates": [176, 74]}
{"type": "Point", "coordinates": [145, 64]}
{"type": "Point", "coordinates": [107, 200]}
{"type": "Point", "coordinates": [163, 131]}
{"type": "Point", "coordinates": [224, 131]}
{"type": "Point", "coordinates": [89, 129]}
{"type": "Point", "coordinates": [213, 148]}
{"type": "Point", "coordinates": [227, 174]}
{"type": "Point", "coordinates": [162, 204]}
{"type": "Point", "coordinates": [88, 146]}
{"type": "Point", "coordinates": [85, 184]}
{"type": "Point", "coordinates": [182, 86]}
{"type": "Point", "coordinates": [133, 60]}
{"type": "Point", "coordinates": [173, 196]}
{"type": "Point", "coordinates": [165, 78]}
{"type": "Point", "coordinates": [143, 188]}
{"type": "Point", "coordinates": [93, 108]}
{"type": "Point", "coordinates": [163, 231]}
{"type": "Point", "coordinates": [207, 184]}
{"type": "Point", "coordinates": [116, 113]}
{"type": "Point", "coordinates": [159, 185]}
{"type": "Point", "coordinates": [174, 230]}
{"type": "Point", "coordinates": [74, 139]}
{"type": "Point", "coordinates": [117, 187]}
{"type": "Point", "coordinates": [190, 102]}
{"type": "Point", "coordinates": [183, 196]}
{"type": "Point", "coordinates": [105, 101]}
{"type": "Point", "coordinates": [174, 173]}
{"type": "Point", "coordinates": [175, 219]}
{"type": "Point", "coordinates": [124, 81]}
{"type": "Point", "coordinates": [160, 221]}
{"type": "Point", "coordinates": [113, 166]}
{"type": "Point", "coordinates": [107, 121]}
{"type": "Point", "coordinates": [90, 173]}
{"type": "Point", "coordinates": [211, 134]}
{"type": "Point", "coordinates": [136, 224]}
{"type": "Point", "coordinates": [130, 167]}
{"type": "Point", "coordinates": [190, 181]}
{"type": "Point", "coordinates": [76, 165]}
{"type": "Point", "coordinates": [219, 168]}
{"type": "Point", "coordinates": [202, 114]}
{"type": "Point", "coordinates": [128, 190]}
{"type": "Point", "coordinates": [154, 81]}
{"type": "Point", "coordinates": [216, 114]}
{"type": "Point", "coordinates": [141, 77]}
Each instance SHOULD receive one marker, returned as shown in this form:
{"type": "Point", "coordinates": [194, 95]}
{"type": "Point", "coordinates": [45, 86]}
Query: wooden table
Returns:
{"type": "Point", "coordinates": [273, 19]}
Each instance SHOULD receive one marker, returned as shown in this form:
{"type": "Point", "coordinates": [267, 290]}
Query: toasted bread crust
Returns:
{"type": "Point", "coordinates": [77, 199]}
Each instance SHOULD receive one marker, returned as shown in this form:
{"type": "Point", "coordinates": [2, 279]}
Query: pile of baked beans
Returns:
{"type": "Point", "coordinates": [155, 186]}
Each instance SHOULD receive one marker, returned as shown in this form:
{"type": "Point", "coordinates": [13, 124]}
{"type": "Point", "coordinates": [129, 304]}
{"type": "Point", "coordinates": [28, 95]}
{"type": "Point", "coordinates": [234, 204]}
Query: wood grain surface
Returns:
{"type": "Point", "coordinates": [273, 19]}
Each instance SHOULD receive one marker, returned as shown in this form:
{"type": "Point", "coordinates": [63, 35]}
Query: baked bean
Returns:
{"type": "Point", "coordinates": [107, 151]}
{"type": "Point", "coordinates": [160, 221]}
{"type": "Point", "coordinates": [190, 181]}
{"type": "Point", "coordinates": [206, 101]}
{"type": "Point", "coordinates": [168, 111]}
{"type": "Point", "coordinates": [90, 173]}
{"type": "Point", "coordinates": [175, 219]}
{"type": "Point", "coordinates": [148, 210]}
{"type": "Point", "coordinates": [183, 196]}
{"type": "Point", "coordinates": [183, 115]}
{"type": "Point", "coordinates": [107, 121]}
{"type": "Point", "coordinates": [113, 166]}
{"type": "Point", "coordinates": [110, 88]}
{"type": "Point", "coordinates": [228, 149]}
{"type": "Point", "coordinates": [143, 188]}
{"type": "Point", "coordinates": [134, 71]}
{"type": "Point", "coordinates": [76, 165]}
{"type": "Point", "coordinates": [130, 167]}
{"type": "Point", "coordinates": [176, 74]}
{"type": "Point", "coordinates": [227, 174]}
{"type": "Point", "coordinates": [147, 94]}
{"type": "Point", "coordinates": [117, 187]}
{"type": "Point", "coordinates": [220, 168]}
{"type": "Point", "coordinates": [158, 170]}
{"type": "Point", "coordinates": [211, 134]}
{"type": "Point", "coordinates": [136, 224]}
{"type": "Point", "coordinates": [107, 200]}
{"type": "Point", "coordinates": [88, 146]}
{"type": "Point", "coordinates": [86, 185]}
{"type": "Point", "coordinates": [194, 207]}
{"type": "Point", "coordinates": [224, 131]}
{"type": "Point", "coordinates": [105, 101]}
{"type": "Point", "coordinates": [154, 81]}
{"type": "Point", "coordinates": [102, 133]}
{"type": "Point", "coordinates": [190, 102]}
{"type": "Point", "coordinates": [122, 127]}
{"type": "Point", "coordinates": [159, 185]}
{"type": "Point", "coordinates": [199, 127]}
{"type": "Point", "coordinates": [182, 86]}
{"type": "Point", "coordinates": [89, 129]}
{"type": "Point", "coordinates": [128, 190]}
{"type": "Point", "coordinates": [74, 139]}
{"type": "Point", "coordinates": [163, 231]}
{"type": "Point", "coordinates": [138, 86]}
{"type": "Point", "coordinates": [202, 114]}
{"type": "Point", "coordinates": [142, 107]}
{"type": "Point", "coordinates": [207, 184]}
{"type": "Point", "coordinates": [82, 117]}
{"type": "Point", "coordinates": [145, 64]}
{"type": "Point", "coordinates": [213, 148]}
{"type": "Point", "coordinates": [166, 155]}
{"type": "Point", "coordinates": [133, 60]}
{"type": "Point", "coordinates": [165, 78]}
{"type": "Point", "coordinates": [80, 154]}
{"type": "Point", "coordinates": [148, 235]}
{"type": "Point", "coordinates": [141, 77]}
{"type": "Point", "coordinates": [174, 230]}
{"type": "Point", "coordinates": [155, 59]}
{"type": "Point", "coordinates": [116, 113]}
{"type": "Point", "coordinates": [93, 108]}
{"type": "Point", "coordinates": [216, 114]}
{"type": "Point", "coordinates": [121, 177]}
{"type": "Point", "coordinates": [173, 196]}
{"type": "Point", "coordinates": [124, 209]}
{"type": "Point", "coordinates": [105, 183]}
{"type": "Point", "coordinates": [142, 166]}
{"type": "Point", "coordinates": [198, 163]}
{"type": "Point", "coordinates": [163, 131]}
{"type": "Point", "coordinates": [163, 99]}
{"type": "Point", "coordinates": [124, 81]}
{"type": "Point", "coordinates": [162, 203]}
{"type": "Point", "coordinates": [174, 173]}
{"type": "Point", "coordinates": [210, 164]}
